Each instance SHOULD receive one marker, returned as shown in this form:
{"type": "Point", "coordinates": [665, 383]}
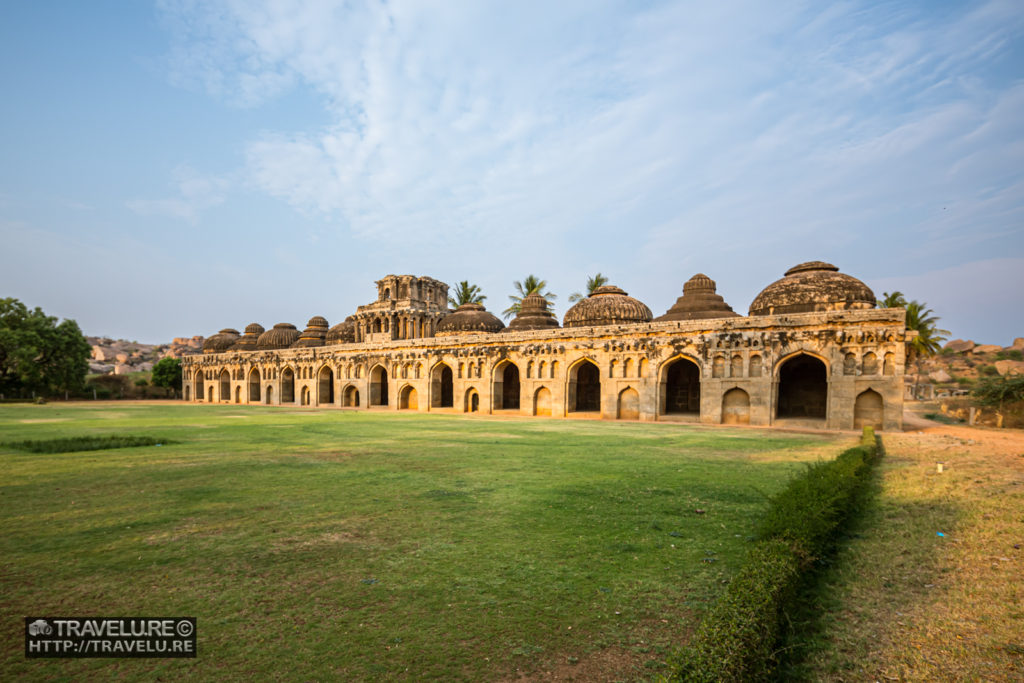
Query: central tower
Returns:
{"type": "Point", "coordinates": [407, 307]}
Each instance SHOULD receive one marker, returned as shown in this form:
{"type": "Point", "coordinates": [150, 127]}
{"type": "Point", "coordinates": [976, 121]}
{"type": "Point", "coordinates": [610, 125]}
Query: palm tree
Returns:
{"type": "Point", "coordinates": [532, 284]}
{"type": "Point", "coordinates": [928, 341]}
{"type": "Point", "coordinates": [592, 284]}
{"type": "Point", "coordinates": [894, 300]}
{"type": "Point", "coordinates": [466, 293]}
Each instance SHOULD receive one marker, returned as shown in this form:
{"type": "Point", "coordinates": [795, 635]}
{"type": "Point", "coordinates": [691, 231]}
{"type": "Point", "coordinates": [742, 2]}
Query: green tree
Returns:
{"type": "Point", "coordinates": [592, 284]}
{"type": "Point", "coordinates": [531, 285]}
{"type": "Point", "coordinates": [167, 374]}
{"type": "Point", "coordinates": [39, 355]}
{"type": "Point", "coordinates": [466, 293]}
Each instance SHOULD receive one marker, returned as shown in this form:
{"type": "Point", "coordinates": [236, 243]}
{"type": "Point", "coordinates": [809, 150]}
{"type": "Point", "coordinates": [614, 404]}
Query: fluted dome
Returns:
{"type": "Point", "coordinates": [314, 334]}
{"type": "Point", "coordinates": [247, 342]}
{"type": "Point", "coordinates": [342, 333]}
{"type": "Point", "coordinates": [222, 341]}
{"type": "Point", "coordinates": [813, 286]}
{"type": "Point", "coordinates": [607, 305]}
{"type": "Point", "coordinates": [281, 336]}
{"type": "Point", "coordinates": [468, 319]}
{"type": "Point", "coordinates": [699, 302]}
{"type": "Point", "coordinates": [533, 315]}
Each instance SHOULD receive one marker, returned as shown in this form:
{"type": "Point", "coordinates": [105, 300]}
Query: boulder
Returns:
{"type": "Point", "coordinates": [1009, 367]}
{"type": "Point", "coordinates": [959, 345]}
{"type": "Point", "coordinates": [987, 348]}
{"type": "Point", "coordinates": [121, 358]}
{"type": "Point", "coordinates": [1018, 343]}
{"type": "Point", "coordinates": [99, 354]}
{"type": "Point", "coordinates": [122, 369]}
{"type": "Point", "coordinates": [940, 376]}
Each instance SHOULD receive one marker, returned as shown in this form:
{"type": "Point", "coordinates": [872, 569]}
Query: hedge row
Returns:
{"type": "Point", "coordinates": [738, 639]}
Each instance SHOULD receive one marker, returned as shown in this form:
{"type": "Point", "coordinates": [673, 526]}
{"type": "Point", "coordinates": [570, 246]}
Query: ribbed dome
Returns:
{"type": "Point", "coordinates": [699, 302]}
{"type": "Point", "coordinates": [607, 305]}
{"type": "Point", "coordinates": [281, 336]}
{"type": "Point", "coordinates": [342, 333]}
{"type": "Point", "coordinates": [468, 319]}
{"type": "Point", "coordinates": [222, 341]}
{"type": "Point", "coordinates": [247, 342]}
{"type": "Point", "coordinates": [314, 334]}
{"type": "Point", "coordinates": [533, 315]}
{"type": "Point", "coordinates": [813, 286]}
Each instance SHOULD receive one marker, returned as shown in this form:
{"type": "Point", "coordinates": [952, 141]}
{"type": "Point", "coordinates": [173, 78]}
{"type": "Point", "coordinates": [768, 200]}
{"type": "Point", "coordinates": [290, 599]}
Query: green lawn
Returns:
{"type": "Point", "coordinates": [357, 545]}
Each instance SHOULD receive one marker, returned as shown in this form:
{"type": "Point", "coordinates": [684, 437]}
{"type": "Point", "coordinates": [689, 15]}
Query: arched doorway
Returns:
{"type": "Point", "coordinates": [305, 395]}
{"type": "Point", "coordinates": [225, 386]}
{"type": "Point", "coordinates": [680, 388]}
{"type": "Point", "coordinates": [472, 401]}
{"type": "Point", "coordinates": [736, 407]}
{"type": "Point", "coordinates": [584, 388]}
{"type": "Point", "coordinates": [542, 402]}
{"type": "Point", "coordinates": [506, 386]}
{"type": "Point", "coordinates": [803, 388]}
{"type": "Point", "coordinates": [188, 393]}
{"type": "Point", "coordinates": [200, 385]}
{"type": "Point", "coordinates": [325, 386]}
{"type": "Point", "coordinates": [238, 394]}
{"type": "Point", "coordinates": [351, 397]}
{"type": "Point", "coordinates": [254, 386]}
{"type": "Point", "coordinates": [407, 399]}
{"type": "Point", "coordinates": [209, 394]}
{"type": "Point", "coordinates": [287, 386]}
{"type": "Point", "coordinates": [868, 410]}
{"type": "Point", "coordinates": [270, 394]}
{"type": "Point", "coordinates": [378, 386]}
{"type": "Point", "coordinates": [442, 387]}
{"type": "Point", "coordinates": [628, 404]}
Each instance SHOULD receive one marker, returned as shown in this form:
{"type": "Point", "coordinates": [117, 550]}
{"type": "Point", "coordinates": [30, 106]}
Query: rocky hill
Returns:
{"type": "Point", "coordinates": [119, 356]}
{"type": "Point", "coordinates": [962, 363]}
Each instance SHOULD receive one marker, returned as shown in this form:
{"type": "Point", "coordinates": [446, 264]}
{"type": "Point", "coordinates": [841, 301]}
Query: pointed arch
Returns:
{"type": "Point", "coordinates": [868, 410]}
{"type": "Point", "coordinates": [287, 385]}
{"type": "Point", "coordinates": [736, 407]}
{"type": "Point", "coordinates": [254, 385]}
{"type": "Point", "coordinates": [325, 386]}
{"type": "Point", "coordinates": [584, 387]}
{"type": "Point", "coordinates": [378, 386]}
{"type": "Point", "coordinates": [628, 404]}
{"type": "Point", "coordinates": [802, 386]}
{"type": "Point", "coordinates": [472, 403]}
{"type": "Point", "coordinates": [679, 386]}
{"type": "Point", "coordinates": [200, 382]}
{"type": "Point", "coordinates": [351, 396]}
{"type": "Point", "coordinates": [442, 386]}
{"type": "Point", "coordinates": [505, 386]}
{"type": "Point", "coordinates": [542, 402]}
{"type": "Point", "coordinates": [407, 398]}
{"type": "Point", "coordinates": [224, 389]}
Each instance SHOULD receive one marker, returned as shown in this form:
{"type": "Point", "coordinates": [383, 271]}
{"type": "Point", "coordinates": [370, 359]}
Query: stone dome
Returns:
{"type": "Point", "coordinates": [699, 302]}
{"type": "Point", "coordinates": [468, 319]}
{"type": "Point", "coordinates": [247, 342]}
{"type": "Point", "coordinates": [813, 286]}
{"type": "Point", "coordinates": [342, 333]}
{"type": "Point", "coordinates": [222, 341]}
{"type": "Point", "coordinates": [281, 336]}
{"type": "Point", "coordinates": [607, 305]}
{"type": "Point", "coordinates": [533, 315]}
{"type": "Point", "coordinates": [314, 334]}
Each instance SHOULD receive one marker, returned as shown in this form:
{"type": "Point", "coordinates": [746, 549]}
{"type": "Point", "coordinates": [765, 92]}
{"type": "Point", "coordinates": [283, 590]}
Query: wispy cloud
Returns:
{"type": "Point", "coordinates": [195, 193]}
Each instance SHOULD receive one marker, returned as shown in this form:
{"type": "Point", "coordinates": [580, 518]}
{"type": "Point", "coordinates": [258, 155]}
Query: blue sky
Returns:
{"type": "Point", "coordinates": [170, 169]}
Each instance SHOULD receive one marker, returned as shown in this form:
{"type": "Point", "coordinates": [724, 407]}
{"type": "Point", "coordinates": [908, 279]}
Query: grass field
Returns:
{"type": "Point", "coordinates": [360, 545]}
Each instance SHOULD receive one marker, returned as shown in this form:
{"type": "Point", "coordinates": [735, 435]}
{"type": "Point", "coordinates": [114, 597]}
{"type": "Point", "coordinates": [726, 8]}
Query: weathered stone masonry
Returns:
{"type": "Point", "coordinates": [840, 366]}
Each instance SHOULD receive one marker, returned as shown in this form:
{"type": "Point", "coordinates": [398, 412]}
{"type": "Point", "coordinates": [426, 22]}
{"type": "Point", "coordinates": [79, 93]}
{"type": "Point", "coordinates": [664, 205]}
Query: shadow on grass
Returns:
{"type": "Point", "coordinates": [885, 561]}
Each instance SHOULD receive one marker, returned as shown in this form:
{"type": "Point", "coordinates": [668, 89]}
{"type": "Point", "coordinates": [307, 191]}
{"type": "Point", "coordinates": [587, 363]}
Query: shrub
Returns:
{"type": "Point", "coordinates": [737, 640]}
{"type": "Point", "coordinates": [989, 370]}
{"type": "Point", "coordinates": [997, 391]}
{"type": "Point", "coordinates": [1012, 354]}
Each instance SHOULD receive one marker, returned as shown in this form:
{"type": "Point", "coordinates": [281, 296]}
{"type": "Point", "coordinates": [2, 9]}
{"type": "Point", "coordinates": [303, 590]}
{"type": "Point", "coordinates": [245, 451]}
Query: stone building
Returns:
{"type": "Point", "coordinates": [813, 351]}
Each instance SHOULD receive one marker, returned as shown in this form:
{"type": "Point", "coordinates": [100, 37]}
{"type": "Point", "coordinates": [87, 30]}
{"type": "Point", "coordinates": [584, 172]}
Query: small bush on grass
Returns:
{"type": "Point", "coordinates": [737, 639]}
{"type": "Point", "coordinates": [85, 443]}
